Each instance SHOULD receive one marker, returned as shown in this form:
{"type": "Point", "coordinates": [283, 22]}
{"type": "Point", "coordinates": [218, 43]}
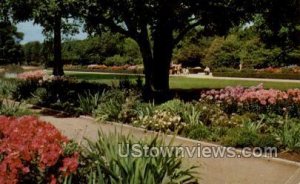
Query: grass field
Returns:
{"type": "Point", "coordinates": [183, 82]}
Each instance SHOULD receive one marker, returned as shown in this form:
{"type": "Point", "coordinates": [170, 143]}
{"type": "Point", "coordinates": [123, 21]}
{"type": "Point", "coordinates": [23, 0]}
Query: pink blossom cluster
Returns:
{"type": "Point", "coordinates": [33, 75]}
{"type": "Point", "coordinates": [250, 95]}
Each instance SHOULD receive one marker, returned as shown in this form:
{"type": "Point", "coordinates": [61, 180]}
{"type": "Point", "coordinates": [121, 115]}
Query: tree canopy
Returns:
{"type": "Point", "coordinates": [158, 26]}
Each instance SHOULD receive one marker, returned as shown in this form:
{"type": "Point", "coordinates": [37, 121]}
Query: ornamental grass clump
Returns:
{"type": "Point", "coordinates": [112, 160]}
{"type": "Point", "coordinates": [32, 151]}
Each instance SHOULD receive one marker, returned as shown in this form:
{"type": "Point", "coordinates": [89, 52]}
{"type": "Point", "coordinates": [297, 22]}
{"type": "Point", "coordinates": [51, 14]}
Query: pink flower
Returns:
{"type": "Point", "coordinates": [272, 101]}
{"type": "Point", "coordinates": [33, 75]}
{"type": "Point", "coordinates": [263, 102]}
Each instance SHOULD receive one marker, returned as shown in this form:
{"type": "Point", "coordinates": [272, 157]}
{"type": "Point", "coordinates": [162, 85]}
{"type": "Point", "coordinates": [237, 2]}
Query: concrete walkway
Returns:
{"type": "Point", "coordinates": [211, 171]}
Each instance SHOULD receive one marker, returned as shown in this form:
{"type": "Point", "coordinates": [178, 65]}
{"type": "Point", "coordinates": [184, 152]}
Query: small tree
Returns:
{"type": "Point", "coordinates": [158, 26]}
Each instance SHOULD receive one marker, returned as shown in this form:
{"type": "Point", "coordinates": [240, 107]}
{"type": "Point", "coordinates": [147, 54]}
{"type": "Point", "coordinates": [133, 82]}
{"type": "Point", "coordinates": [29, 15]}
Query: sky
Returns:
{"type": "Point", "coordinates": [34, 32]}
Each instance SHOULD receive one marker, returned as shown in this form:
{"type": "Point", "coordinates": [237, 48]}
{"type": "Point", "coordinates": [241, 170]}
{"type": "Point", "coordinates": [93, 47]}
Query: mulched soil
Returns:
{"type": "Point", "coordinates": [292, 156]}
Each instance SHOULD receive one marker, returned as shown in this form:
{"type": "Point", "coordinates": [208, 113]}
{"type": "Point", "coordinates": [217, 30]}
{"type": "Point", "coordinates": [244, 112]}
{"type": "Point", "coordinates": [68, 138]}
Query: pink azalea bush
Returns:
{"type": "Point", "coordinates": [33, 75]}
{"type": "Point", "coordinates": [256, 99]}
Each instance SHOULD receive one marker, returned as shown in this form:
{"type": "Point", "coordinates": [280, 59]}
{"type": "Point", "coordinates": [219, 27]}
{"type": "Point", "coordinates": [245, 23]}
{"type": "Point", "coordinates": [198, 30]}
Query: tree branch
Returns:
{"type": "Point", "coordinates": [185, 31]}
{"type": "Point", "coordinates": [113, 26]}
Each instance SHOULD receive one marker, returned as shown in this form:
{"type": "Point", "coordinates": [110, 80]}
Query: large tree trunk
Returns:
{"type": "Point", "coordinates": [58, 64]}
{"type": "Point", "coordinates": [162, 54]}
{"type": "Point", "coordinates": [146, 51]}
{"type": "Point", "coordinates": [161, 66]}
{"type": "Point", "coordinates": [157, 66]}
{"type": "Point", "coordinates": [157, 61]}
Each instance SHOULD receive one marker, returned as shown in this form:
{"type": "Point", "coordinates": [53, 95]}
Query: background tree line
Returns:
{"type": "Point", "coordinates": [108, 49]}
{"type": "Point", "coordinates": [241, 45]}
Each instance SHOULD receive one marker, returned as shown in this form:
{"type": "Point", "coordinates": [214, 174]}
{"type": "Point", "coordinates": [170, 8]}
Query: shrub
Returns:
{"type": "Point", "coordinates": [32, 151]}
{"type": "Point", "coordinates": [116, 60]}
{"type": "Point", "coordinates": [289, 135]}
{"type": "Point", "coordinates": [239, 137]}
{"type": "Point", "coordinates": [33, 75]}
{"type": "Point", "coordinates": [248, 135]}
{"type": "Point", "coordinates": [25, 89]}
{"type": "Point", "coordinates": [173, 106]}
{"type": "Point", "coordinates": [110, 106]}
{"type": "Point", "coordinates": [211, 114]}
{"type": "Point", "coordinates": [63, 94]}
{"type": "Point", "coordinates": [163, 121]}
{"type": "Point", "coordinates": [236, 120]}
{"type": "Point", "coordinates": [189, 112]}
{"type": "Point", "coordinates": [128, 113]}
{"type": "Point", "coordinates": [218, 132]}
{"type": "Point", "coordinates": [125, 83]}
{"type": "Point", "coordinates": [256, 100]}
{"type": "Point", "coordinates": [103, 163]}
{"type": "Point", "coordinates": [262, 75]}
{"type": "Point", "coordinates": [144, 109]}
{"type": "Point", "coordinates": [7, 87]}
{"type": "Point", "coordinates": [88, 102]}
{"type": "Point", "coordinates": [198, 132]}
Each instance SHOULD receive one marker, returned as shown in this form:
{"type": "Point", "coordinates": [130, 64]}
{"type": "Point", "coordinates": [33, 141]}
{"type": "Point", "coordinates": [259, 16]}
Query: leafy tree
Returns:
{"type": "Point", "coordinates": [10, 48]}
{"type": "Point", "coordinates": [232, 51]}
{"type": "Point", "coordinates": [192, 50]}
{"type": "Point", "coordinates": [52, 15]}
{"type": "Point", "coordinates": [279, 25]}
{"type": "Point", "coordinates": [223, 53]}
{"type": "Point", "coordinates": [33, 52]}
{"type": "Point", "coordinates": [158, 26]}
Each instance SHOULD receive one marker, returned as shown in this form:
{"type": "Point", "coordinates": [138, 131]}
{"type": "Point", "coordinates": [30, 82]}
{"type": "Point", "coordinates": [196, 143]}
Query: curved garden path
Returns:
{"type": "Point", "coordinates": [211, 171]}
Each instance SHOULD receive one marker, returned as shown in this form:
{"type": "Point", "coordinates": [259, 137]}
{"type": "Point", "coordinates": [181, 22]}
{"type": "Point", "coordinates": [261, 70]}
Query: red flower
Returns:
{"type": "Point", "coordinates": [53, 180]}
{"type": "Point", "coordinates": [70, 165]}
{"type": "Point", "coordinates": [26, 141]}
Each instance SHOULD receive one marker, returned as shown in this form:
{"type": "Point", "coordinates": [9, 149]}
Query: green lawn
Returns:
{"type": "Point", "coordinates": [183, 82]}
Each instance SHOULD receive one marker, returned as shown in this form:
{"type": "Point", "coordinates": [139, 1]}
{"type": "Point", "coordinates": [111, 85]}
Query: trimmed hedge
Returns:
{"type": "Point", "coordinates": [258, 75]}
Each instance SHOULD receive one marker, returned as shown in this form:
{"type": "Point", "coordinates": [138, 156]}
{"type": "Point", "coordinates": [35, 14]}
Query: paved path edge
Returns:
{"type": "Point", "coordinates": [278, 160]}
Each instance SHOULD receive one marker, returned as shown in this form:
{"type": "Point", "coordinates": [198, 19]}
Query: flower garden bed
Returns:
{"type": "Point", "coordinates": [33, 151]}
{"type": "Point", "coordinates": [291, 73]}
{"type": "Point", "coordinates": [262, 75]}
{"type": "Point", "coordinates": [126, 69]}
{"type": "Point", "coordinates": [235, 116]}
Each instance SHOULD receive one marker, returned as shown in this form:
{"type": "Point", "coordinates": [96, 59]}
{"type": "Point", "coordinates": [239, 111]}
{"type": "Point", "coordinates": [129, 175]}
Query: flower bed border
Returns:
{"type": "Point", "coordinates": [238, 151]}
{"type": "Point", "coordinates": [119, 124]}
